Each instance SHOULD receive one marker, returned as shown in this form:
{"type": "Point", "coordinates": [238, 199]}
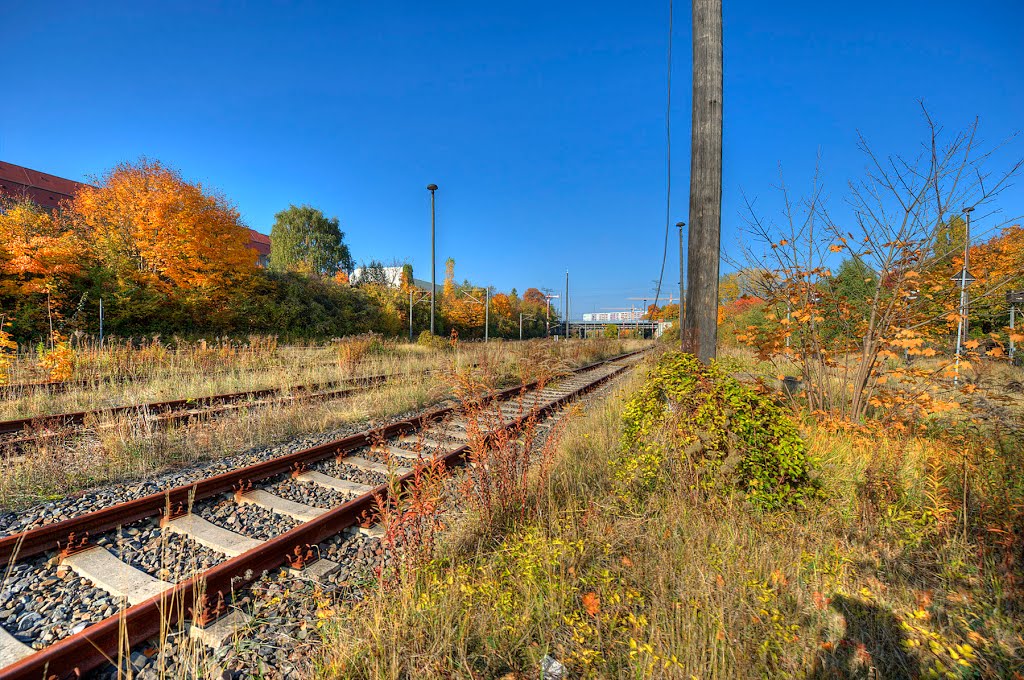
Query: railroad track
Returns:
{"type": "Point", "coordinates": [13, 389]}
{"type": "Point", "coordinates": [16, 434]}
{"type": "Point", "coordinates": [123, 598]}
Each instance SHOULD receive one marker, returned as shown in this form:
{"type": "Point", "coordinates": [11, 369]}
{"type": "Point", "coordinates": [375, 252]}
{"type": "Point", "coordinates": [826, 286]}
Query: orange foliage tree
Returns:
{"type": "Point", "coordinates": [165, 238]}
{"type": "Point", "coordinates": [42, 261]}
{"type": "Point", "coordinates": [852, 337]}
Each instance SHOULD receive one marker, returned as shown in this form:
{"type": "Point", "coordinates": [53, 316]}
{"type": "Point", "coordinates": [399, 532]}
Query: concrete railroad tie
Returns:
{"type": "Point", "coordinates": [281, 506]}
{"type": "Point", "coordinates": [212, 536]}
{"type": "Point", "coordinates": [374, 466]}
{"type": "Point", "coordinates": [334, 483]}
{"type": "Point", "coordinates": [114, 576]}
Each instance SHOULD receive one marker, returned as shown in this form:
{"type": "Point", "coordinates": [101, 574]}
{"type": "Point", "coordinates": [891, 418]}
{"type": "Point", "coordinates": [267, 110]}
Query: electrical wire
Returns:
{"type": "Point", "coordinates": [668, 157]}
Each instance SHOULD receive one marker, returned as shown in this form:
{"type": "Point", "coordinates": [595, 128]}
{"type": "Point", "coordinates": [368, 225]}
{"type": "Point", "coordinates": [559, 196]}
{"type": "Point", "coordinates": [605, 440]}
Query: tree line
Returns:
{"type": "Point", "coordinates": [169, 256]}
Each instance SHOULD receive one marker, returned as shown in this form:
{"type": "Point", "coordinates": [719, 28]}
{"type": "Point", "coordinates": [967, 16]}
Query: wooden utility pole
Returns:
{"type": "Point", "coordinates": [701, 321]}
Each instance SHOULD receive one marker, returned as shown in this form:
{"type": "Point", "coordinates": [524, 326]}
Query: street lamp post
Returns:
{"type": "Point", "coordinates": [487, 314]}
{"type": "Point", "coordinates": [682, 280]}
{"type": "Point", "coordinates": [566, 304]}
{"type": "Point", "coordinates": [433, 270]}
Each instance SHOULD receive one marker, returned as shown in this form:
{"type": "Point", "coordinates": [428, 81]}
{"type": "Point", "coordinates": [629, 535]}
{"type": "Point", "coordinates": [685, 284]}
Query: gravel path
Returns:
{"type": "Point", "coordinates": [350, 472]}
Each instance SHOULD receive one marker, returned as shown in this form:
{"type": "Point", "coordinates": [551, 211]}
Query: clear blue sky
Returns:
{"type": "Point", "coordinates": [542, 122]}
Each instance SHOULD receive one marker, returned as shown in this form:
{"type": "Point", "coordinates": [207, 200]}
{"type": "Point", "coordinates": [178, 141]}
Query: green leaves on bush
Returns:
{"type": "Point", "coordinates": [726, 435]}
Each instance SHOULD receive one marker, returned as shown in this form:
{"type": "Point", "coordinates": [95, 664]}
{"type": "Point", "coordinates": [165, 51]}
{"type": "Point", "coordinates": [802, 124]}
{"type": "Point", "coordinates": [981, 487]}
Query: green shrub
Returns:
{"type": "Point", "coordinates": [727, 436]}
{"type": "Point", "coordinates": [427, 339]}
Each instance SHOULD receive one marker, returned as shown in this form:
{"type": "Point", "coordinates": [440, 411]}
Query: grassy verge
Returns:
{"type": "Point", "coordinates": [888, 570]}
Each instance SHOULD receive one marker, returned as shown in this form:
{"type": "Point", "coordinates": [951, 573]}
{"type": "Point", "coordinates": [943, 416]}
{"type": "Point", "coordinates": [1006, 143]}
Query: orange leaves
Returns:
{"type": "Point", "coordinates": [39, 251]}
{"type": "Point", "coordinates": [154, 227]}
{"type": "Point", "coordinates": [591, 603]}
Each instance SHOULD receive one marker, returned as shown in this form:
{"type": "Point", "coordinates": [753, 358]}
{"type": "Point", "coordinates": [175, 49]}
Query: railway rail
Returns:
{"type": "Point", "coordinates": [375, 458]}
{"type": "Point", "coordinates": [17, 433]}
{"type": "Point", "coordinates": [12, 389]}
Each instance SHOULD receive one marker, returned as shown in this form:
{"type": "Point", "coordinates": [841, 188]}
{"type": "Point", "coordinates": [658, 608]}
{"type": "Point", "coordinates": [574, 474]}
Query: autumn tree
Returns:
{"type": "Point", "coordinates": [43, 262]}
{"type": "Point", "coordinates": [898, 209]}
{"type": "Point", "coordinates": [304, 240]}
{"type": "Point", "coordinates": [408, 282]}
{"type": "Point", "coordinates": [164, 240]}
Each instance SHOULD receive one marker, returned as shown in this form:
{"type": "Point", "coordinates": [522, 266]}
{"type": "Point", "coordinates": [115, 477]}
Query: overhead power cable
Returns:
{"type": "Point", "coordinates": [668, 156]}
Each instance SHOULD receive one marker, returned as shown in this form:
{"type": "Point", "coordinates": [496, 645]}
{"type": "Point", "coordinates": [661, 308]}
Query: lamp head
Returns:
{"type": "Point", "coordinates": [431, 187]}
{"type": "Point", "coordinates": [680, 224]}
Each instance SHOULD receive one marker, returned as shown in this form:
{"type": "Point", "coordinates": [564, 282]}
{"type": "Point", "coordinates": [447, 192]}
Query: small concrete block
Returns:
{"type": "Point", "coordinates": [320, 569]}
{"type": "Point", "coordinates": [220, 631]}
{"type": "Point", "coordinates": [373, 466]}
{"type": "Point", "coordinates": [114, 576]}
{"type": "Point", "coordinates": [212, 536]}
{"type": "Point", "coordinates": [376, 531]}
{"type": "Point", "coordinates": [343, 485]}
{"type": "Point", "coordinates": [12, 649]}
{"type": "Point", "coordinates": [281, 506]}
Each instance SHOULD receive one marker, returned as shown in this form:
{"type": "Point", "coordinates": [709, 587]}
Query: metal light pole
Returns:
{"type": "Point", "coordinates": [1013, 298]}
{"type": "Point", "coordinates": [410, 315]}
{"type": "Point", "coordinates": [433, 270]}
{"type": "Point", "coordinates": [566, 304]}
{"type": "Point", "coordinates": [487, 313]}
{"type": "Point", "coordinates": [682, 281]}
{"type": "Point", "coordinates": [961, 328]}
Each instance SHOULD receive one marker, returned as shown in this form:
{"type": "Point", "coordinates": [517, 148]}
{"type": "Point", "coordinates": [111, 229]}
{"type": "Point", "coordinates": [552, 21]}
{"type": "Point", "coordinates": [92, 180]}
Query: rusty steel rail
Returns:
{"type": "Point", "coordinates": [99, 380]}
{"type": "Point", "coordinates": [162, 407]}
{"type": "Point", "coordinates": [49, 536]}
{"type": "Point", "coordinates": [98, 644]}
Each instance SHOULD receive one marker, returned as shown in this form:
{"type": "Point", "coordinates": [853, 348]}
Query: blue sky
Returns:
{"type": "Point", "coordinates": [543, 123]}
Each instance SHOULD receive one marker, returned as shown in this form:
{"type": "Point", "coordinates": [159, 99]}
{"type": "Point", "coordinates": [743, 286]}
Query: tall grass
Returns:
{"type": "Point", "coordinates": [890, 573]}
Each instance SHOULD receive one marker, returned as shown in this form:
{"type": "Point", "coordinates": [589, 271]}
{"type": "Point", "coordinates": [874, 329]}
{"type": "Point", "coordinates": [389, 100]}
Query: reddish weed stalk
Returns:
{"type": "Point", "coordinates": [498, 483]}
{"type": "Point", "coordinates": [411, 514]}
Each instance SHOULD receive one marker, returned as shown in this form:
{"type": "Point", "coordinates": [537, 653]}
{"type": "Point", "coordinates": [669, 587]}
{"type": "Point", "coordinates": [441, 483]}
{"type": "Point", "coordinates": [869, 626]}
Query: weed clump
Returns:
{"type": "Point", "coordinates": [728, 436]}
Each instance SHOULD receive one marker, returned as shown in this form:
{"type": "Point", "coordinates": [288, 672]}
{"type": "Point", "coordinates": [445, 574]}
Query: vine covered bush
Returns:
{"type": "Point", "coordinates": [726, 436]}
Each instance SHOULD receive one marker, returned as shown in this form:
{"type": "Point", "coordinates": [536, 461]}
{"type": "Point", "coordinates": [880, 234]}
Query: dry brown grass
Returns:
{"type": "Point", "coordinates": [128, 447]}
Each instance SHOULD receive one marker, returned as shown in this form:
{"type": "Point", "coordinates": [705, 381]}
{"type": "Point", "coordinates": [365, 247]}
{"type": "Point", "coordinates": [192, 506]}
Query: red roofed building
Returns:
{"type": "Point", "coordinates": [46, 191]}
{"type": "Point", "coordinates": [49, 191]}
{"type": "Point", "coordinates": [261, 244]}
